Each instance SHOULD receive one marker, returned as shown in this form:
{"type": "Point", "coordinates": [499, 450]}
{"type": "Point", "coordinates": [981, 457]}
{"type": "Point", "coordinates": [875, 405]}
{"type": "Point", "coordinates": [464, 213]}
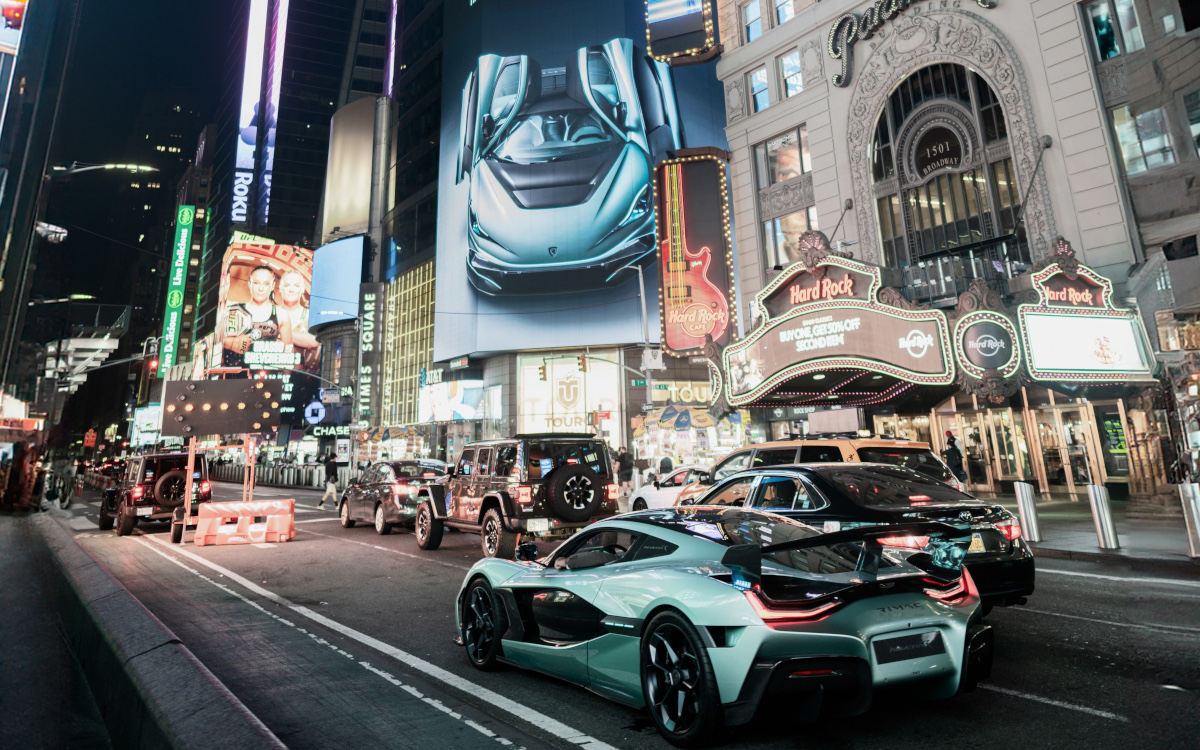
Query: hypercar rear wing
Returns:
{"type": "Point", "coordinates": [745, 560]}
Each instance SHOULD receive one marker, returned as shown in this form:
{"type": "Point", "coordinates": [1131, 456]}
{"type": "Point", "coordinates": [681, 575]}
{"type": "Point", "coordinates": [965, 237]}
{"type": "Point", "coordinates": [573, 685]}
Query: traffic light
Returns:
{"type": "Point", "coordinates": [542, 373]}
{"type": "Point", "coordinates": [583, 363]}
{"type": "Point", "coordinates": [153, 366]}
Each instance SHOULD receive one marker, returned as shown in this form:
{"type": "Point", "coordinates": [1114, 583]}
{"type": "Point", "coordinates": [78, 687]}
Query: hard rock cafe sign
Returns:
{"type": "Point", "coordinates": [850, 28]}
{"type": "Point", "coordinates": [986, 345]}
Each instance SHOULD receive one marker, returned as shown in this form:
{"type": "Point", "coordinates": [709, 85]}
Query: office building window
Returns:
{"type": "Point", "coordinates": [784, 10]}
{"type": "Point", "coordinates": [782, 236]}
{"type": "Point", "coordinates": [752, 21]}
{"type": "Point", "coordinates": [758, 89]}
{"type": "Point", "coordinates": [789, 68]}
{"type": "Point", "coordinates": [1190, 10]}
{"type": "Point", "coordinates": [1114, 24]}
{"type": "Point", "coordinates": [783, 157]}
{"type": "Point", "coordinates": [1144, 137]}
{"type": "Point", "coordinates": [1191, 102]}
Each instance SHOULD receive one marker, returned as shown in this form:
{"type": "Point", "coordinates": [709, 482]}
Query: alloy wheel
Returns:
{"type": "Point", "coordinates": [479, 626]}
{"type": "Point", "coordinates": [345, 512]}
{"type": "Point", "coordinates": [491, 537]}
{"type": "Point", "coordinates": [578, 491]}
{"type": "Point", "coordinates": [173, 491]}
{"type": "Point", "coordinates": [672, 678]}
{"type": "Point", "coordinates": [422, 526]}
{"type": "Point", "coordinates": [379, 519]}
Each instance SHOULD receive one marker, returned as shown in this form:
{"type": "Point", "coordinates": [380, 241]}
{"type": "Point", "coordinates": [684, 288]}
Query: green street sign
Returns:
{"type": "Point", "coordinates": [639, 382]}
{"type": "Point", "coordinates": [176, 281]}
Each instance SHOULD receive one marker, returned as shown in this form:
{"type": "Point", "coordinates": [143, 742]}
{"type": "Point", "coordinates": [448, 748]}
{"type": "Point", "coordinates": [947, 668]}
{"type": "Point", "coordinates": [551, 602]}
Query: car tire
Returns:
{"type": "Point", "coordinates": [125, 522]}
{"type": "Point", "coordinates": [483, 622]}
{"type": "Point", "coordinates": [575, 493]}
{"type": "Point", "coordinates": [672, 655]}
{"type": "Point", "coordinates": [106, 520]}
{"type": "Point", "coordinates": [171, 489]}
{"type": "Point", "coordinates": [176, 533]}
{"type": "Point", "coordinates": [639, 504]}
{"type": "Point", "coordinates": [496, 540]}
{"type": "Point", "coordinates": [344, 515]}
{"type": "Point", "coordinates": [427, 528]}
{"type": "Point", "coordinates": [382, 527]}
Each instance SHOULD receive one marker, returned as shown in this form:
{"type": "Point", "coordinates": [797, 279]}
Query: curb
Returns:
{"type": "Point", "coordinates": [1151, 563]}
{"type": "Point", "coordinates": [151, 690]}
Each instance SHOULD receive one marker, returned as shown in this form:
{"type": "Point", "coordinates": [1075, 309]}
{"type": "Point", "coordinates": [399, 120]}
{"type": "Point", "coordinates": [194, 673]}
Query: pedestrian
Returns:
{"type": "Point", "coordinates": [330, 480]}
{"type": "Point", "coordinates": [625, 470]}
{"type": "Point", "coordinates": [665, 466]}
{"type": "Point", "coordinates": [954, 457]}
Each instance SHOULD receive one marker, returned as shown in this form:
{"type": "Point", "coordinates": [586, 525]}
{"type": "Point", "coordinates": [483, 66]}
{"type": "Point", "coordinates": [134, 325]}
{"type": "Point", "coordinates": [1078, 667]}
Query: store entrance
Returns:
{"type": "Point", "coordinates": [994, 445]}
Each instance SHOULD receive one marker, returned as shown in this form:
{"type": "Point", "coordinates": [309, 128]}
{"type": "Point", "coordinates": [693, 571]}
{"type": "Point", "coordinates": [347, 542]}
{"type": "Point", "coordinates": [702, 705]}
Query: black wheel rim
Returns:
{"type": "Point", "coordinates": [479, 626]}
{"type": "Point", "coordinates": [578, 491]}
{"type": "Point", "coordinates": [422, 526]}
{"type": "Point", "coordinates": [173, 490]}
{"type": "Point", "coordinates": [672, 675]}
{"type": "Point", "coordinates": [379, 518]}
{"type": "Point", "coordinates": [491, 536]}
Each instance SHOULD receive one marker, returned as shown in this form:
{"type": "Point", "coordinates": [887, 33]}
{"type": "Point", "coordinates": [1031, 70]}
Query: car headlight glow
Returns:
{"type": "Point", "coordinates": [641, 204]}
{"type": "Point", "coordinates": [478, 230]}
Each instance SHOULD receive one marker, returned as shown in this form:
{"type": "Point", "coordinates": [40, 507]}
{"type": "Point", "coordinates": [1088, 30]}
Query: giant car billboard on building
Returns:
{"type": "Point", "coordinates": [553, 117]}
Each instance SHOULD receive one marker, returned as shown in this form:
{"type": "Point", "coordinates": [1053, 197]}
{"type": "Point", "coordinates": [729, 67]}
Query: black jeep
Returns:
{"type": "Point", "coordinates": [152, 487]}
{"type": "Point", "coordinates": [546, 485]}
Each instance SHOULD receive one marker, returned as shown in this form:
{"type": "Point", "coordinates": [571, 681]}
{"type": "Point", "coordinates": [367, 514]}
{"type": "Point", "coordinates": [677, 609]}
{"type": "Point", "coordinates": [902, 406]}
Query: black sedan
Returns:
{"type": "Point", "coordinates": [386, 493]}
{"type": "Point", "coordinates": [842, 495]}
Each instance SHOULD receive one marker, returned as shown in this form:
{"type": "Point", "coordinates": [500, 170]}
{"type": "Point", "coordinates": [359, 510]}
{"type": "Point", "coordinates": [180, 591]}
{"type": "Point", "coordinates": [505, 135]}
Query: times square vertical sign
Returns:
{"type": "Point", "coordinates": [172, 316]}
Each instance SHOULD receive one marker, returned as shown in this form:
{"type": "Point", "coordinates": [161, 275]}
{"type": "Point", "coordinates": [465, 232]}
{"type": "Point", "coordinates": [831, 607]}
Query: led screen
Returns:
{"type": "Point", "coordinates": [337, 271]}
{"type": "Point", "coordinates": [447, 402]}
{"type": "Point", "coordinates": [173, 314]}
{"type": "Point", "coordinates": [248, 118]}
{"type": "Point", "coordinates": [146, 420]}
{"type": "Point", "coordinates": [553, 119]}
{"type": "Point", "coordinates": [1075, 343]}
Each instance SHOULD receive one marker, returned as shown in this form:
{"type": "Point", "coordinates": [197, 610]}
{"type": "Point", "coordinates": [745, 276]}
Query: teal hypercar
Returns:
{"type": "Point", "coordinates": [702, 614]}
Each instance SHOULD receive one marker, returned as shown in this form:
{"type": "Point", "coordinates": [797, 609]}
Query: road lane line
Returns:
{"type": "Point", "coordinates": [1124, 579]}
{"type": "Point", "coordinates": [1172, 628]}
{"type": "Point", "coordinates": [536, 718]}
{"type": "Point", "coordinates": [424, 558]}
{"type": "Point", "coordinates": [1058, 704]}
{"type": "Point", "coordinates": [318, 520]}
{"type": "Point", "coordinates": [321, 641]}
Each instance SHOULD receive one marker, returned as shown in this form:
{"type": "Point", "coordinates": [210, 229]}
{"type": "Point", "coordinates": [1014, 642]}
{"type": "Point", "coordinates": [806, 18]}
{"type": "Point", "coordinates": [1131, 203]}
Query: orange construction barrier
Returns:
{"type": "Point", "coordinates": [280, 526]}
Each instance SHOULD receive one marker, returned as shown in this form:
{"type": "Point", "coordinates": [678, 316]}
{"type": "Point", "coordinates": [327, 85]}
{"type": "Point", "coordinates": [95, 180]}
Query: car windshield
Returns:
{"type": "Point", "coordinates": [919, 459]}
{"type": "Point", "coordinates": [544, 456]}
{"type": "Point", "coordinates": [155, 467]}
{"type": "Point", "coordinates": [552, 136]}
{"type": "Point", "coordinates": [889, 486]}
{"type": "Point", "coordinates": [418, 471]}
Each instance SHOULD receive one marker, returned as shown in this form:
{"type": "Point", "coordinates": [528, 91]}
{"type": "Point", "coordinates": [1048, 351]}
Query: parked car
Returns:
{"type": "Point", "coordinates": [386, 493]}
{"type": "Point", "coordinates": [663, 490]}
{"type": "Point", "coordinates": [541, 485]}
{"type": "Point", "coordinates": [153, 488]}
{"type": "Point", "coordinates": [701, 614]}
{"type": "Point", "coordinates": [831, 449]}
{"type": "Point", "coordinates": [838, 496]}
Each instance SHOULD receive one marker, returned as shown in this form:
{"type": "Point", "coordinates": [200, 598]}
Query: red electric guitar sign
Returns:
{"type": "Point", "coordinates": [693, 253]}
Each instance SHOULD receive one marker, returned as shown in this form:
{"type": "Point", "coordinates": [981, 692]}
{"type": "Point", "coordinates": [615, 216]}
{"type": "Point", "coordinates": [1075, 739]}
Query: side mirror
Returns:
{"type": "Point", "coordinates": [706, 478]}
{"type": "Point", "coordinates": [527, 552]}
{"type": "Point", "coordinates": [656, 484]}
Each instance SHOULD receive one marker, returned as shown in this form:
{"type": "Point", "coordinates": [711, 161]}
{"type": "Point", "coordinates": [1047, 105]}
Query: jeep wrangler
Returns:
{"type": "Point", "coordinates": [153, 488]}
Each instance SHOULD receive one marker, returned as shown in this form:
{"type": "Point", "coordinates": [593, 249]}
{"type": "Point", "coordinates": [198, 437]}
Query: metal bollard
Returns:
{"type": "Point", "coordinates": [1190, 495]}
{"type": "Point", "coordinates": [1028, 511]}
{"type": "Point", "coordinates": [1106, 530]}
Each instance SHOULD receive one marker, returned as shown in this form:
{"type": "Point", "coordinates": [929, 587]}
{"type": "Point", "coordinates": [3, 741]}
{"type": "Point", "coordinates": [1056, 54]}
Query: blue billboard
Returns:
{"type": "Point", "coordinates": [337, 272]}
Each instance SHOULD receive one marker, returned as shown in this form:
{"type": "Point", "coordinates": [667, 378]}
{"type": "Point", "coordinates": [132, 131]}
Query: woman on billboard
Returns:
{"type": "Point", "coordinates": [293, 314]}
{"type": "Point", "coordinates": [255, 320]}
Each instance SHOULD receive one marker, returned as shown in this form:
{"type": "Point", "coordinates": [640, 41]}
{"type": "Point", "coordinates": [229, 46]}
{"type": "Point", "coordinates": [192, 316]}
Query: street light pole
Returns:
{"type": "Point", "coordinates": [645, 330]}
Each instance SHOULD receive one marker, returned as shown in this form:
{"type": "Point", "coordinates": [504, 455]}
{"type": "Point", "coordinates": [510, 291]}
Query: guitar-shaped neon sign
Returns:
{"type": "Point", "coordinates": [692, 305]}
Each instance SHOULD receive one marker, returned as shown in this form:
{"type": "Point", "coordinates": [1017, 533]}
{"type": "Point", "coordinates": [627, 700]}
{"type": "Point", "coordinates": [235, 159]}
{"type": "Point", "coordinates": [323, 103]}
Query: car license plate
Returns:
{"type": "Point", "coordinates": [906, 647]}
{"type": "Point", "coordinates": [976, 543]}
{"type": "Point", "coordinates": [145, 511]}
{"type": "Point", "coordinates": [537, 524]}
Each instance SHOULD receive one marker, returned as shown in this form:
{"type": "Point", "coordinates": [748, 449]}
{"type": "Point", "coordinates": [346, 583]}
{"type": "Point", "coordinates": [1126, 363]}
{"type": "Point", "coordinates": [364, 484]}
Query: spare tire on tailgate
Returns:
{"type": "Point", "coordinates": [575, 493]}
{"type": "Point", "coordinates": [170, 489]}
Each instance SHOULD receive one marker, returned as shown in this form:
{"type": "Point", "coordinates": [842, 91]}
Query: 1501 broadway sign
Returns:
{"type": "Point", "coordinates": [173, 314]}
{"type": "Point", "coordinates": [839, 329]}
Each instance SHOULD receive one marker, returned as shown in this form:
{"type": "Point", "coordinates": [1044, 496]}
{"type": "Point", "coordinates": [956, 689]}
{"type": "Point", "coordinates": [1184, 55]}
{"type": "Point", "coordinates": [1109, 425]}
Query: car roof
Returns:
{"type": "Point", "coordinates": [854, 442]}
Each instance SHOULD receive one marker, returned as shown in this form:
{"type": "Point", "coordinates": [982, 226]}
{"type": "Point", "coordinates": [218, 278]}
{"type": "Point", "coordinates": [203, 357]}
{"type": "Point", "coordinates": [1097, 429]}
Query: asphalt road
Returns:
{"type": "Point", "coordinates": [343, 638]}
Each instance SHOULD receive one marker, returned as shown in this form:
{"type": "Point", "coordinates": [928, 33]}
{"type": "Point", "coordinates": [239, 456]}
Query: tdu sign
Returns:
{"type": "Point", "coordinates": [176, 281]}
{"type": "Point", "coordinates": [242, 182]}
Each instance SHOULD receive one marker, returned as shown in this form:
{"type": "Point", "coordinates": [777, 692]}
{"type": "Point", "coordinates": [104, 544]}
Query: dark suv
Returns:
{"type": "Point", "coordinates": [546, 486]}
{"type": "Point", "coordinates": [152, 487]}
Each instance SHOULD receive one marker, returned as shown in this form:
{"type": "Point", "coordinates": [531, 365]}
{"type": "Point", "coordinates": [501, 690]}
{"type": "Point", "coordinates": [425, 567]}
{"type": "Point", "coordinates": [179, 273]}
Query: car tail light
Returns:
{"type": "Point", "coordinates": [1010, 528]}
{"type": "Point", "coordinates": [774, 617]}
{"type": "Point", "coordinates": [613, 491]}
{"type": "Point", "coordinates": [205, 487]}
{"type": "Point", "coordinates": [137, 492]}
{"type": "Point", "coordinates": [908, 542]}
{"type": "Point", "coordinates": [812, 672]}
{"type": "Point", "coordinates": [398, 488]}
{"type": "Point", "coordinates": [525, 495]}
{"type": "Point", "coordinates": [954, 592]}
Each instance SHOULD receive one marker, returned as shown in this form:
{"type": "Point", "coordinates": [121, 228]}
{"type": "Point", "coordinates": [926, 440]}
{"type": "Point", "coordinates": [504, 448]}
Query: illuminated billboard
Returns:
{"type": "Point", "coordinates": [248, 117]}
{"type": "Point", "coordinates": [274, 81]}
{"type": "Point", "coordinates": [337, 271]}
{"type": "Point", "coordinates": [146, 420]}
{"type": "Point", "coordinates": [13, 12]}
{"type": "Point", "coordinates": [450, 401]}
{"type": "Point", "coordinates": [552, 124]}
{"type": "Point", "coordinates": [176, 280]}
{"type": "Point", "coordinates": [263, 314]}
{"type": "Point", "coordinates": [679, 28]}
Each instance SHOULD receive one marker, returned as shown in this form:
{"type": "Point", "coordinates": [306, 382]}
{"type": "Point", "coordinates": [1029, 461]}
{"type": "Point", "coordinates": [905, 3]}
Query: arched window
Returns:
{"type": "Point", "coordinates": [944, 182]}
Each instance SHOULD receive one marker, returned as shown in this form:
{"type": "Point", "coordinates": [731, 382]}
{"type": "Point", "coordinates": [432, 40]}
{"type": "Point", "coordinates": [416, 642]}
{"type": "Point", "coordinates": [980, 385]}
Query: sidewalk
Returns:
{"type": "Point", "coordinates": [1068, 532]}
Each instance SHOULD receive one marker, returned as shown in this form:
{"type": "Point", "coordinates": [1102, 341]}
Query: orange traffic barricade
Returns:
{"type": "Point", "coordinates": [234, 523]}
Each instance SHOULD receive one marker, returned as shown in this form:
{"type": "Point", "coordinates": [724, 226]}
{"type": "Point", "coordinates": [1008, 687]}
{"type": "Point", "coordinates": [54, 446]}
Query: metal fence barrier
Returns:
{"type": "Point", "coordinates": [1028, 511]}
{"type": "Point", "coordinates": [1106, 530]}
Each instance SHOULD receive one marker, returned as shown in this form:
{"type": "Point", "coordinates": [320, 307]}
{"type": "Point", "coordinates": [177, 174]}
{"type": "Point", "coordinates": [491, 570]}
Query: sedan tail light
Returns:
{"type": "Point", "coordinates": [908, 542]}
{"type": "Point", "coordinates": [137, 492]}
{"type": "Point", "coordinates": [1010, 528]}
{"type": "Point", "coordinates": [613, 491]}
{"type": "Point", "coordinates": [774, 617]}
{"type": "Point", "coordinates": [205, 487]}
{"type": "Point", "coordinates": [398, 488]}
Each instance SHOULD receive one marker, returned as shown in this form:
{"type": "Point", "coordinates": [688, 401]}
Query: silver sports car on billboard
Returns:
{"type": "Point", "coordinates": [559, 162]}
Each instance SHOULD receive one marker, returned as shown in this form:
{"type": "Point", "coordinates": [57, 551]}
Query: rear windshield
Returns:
{"type": "Point", "coordinates": [544, 456]}
{"type": "Point", "coordinates": [889, 486]}
{"type": "Point", "coordinates": [153, 468]}
{"type": "Point", "coordinates": [919, 459]}
{"type": "Point", "coordinates": [418, 470]}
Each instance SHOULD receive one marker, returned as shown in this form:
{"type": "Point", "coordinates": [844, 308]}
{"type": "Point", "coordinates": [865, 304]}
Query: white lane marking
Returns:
{"type": "Point", "coordinates": [1123, 579]}
{"type": "Point", "coordinates": [79, 523]}
{"type": "Point", "coordinates": [1173, 628]}
{"type": "Point", "coordinates": [319, 520]}
{"type": "Point", "coordinates": [529, 715]}
{"type": "Point", "coordinates": [1057, 704]}
{"type": "Point", "coordinates": [426, 558]}
{"type": "Point", "coordinates": [321, 641]}
{"type": "Point", "coordinates": [264, 545]}
{"type": "Point", "coordinates": [96, 504]}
